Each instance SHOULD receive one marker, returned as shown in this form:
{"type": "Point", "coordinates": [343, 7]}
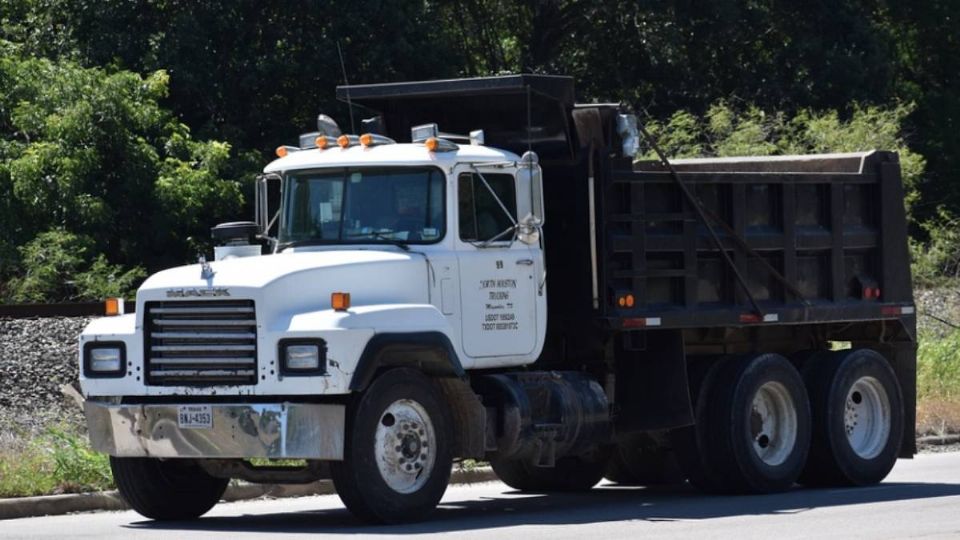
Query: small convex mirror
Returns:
{"type": "Point", "coordinates": [528, 230]}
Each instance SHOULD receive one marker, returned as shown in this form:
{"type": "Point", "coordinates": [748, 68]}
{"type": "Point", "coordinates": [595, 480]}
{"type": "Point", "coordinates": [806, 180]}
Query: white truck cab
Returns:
{"type": "Point", "coordinates": [425, 254]}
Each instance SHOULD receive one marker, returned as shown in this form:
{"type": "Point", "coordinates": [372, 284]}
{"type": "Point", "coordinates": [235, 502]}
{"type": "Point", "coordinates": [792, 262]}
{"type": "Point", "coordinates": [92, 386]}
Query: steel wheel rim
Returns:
{"type": "Point", "coordinates": [405, 448]}
{"type": "Point", "coordinates": [773, 423]}
{"type": "Point", "coordinates": [866, 417]}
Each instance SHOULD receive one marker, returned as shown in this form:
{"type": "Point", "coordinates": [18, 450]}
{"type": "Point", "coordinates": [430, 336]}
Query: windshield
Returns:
{"type": "Point", "coordinates": [359, 206]}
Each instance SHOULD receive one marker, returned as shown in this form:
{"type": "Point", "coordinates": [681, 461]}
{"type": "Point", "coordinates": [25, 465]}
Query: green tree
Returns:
{"type": "Point", "coordinates": [726, 130]}
{"type": "Point", "coordinates": [90, 153]}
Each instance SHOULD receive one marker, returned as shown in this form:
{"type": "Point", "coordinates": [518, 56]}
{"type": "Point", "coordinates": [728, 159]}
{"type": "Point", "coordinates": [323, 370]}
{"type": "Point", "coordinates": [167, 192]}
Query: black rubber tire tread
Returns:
{"type": "Point", "coordinates": [729, 445]}
{"type": "Point", "coordinates": [167, 490]}
{"type": "Point", "coordinates": [357, 478]}
{"type": "Point", "coordinates": [640, 460]}
{"type": "Point", "coordinates": [689, 442]}
{"type": "Point", "coordinates": [569, 474]}
{"type": "Point", "coordinates": [828, 378]}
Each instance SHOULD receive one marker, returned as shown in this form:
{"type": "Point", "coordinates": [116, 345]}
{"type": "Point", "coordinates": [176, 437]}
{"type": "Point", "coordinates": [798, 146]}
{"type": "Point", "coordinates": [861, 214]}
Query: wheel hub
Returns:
{"type": "Point", "coordinates": [773, 423]}
{"type": "Point", "coordinates": [867, 417]}
{"type": "Point", "coordinates": [404, 446]}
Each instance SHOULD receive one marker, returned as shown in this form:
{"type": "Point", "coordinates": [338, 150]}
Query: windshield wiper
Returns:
{"type": "Point", "coordinates": [381, 236]}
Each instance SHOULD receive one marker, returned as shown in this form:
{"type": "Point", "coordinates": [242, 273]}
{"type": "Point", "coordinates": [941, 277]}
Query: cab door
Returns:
{"type": "Point", "coordinates": [498, 276]}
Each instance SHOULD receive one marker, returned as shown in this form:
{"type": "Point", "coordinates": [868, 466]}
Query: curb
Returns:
{"type": "Point", "coordinates": [938, 440]}
{"type": "Point", "coordinates": [55, 505]}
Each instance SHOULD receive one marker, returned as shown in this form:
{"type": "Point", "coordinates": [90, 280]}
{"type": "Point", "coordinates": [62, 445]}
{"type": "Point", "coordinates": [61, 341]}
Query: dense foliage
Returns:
{"type": "Point", "coordinates": [101, 180]}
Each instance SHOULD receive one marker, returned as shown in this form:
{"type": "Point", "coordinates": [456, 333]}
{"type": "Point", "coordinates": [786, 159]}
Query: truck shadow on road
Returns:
{"type": "Point", "coordinates": [603, 504]}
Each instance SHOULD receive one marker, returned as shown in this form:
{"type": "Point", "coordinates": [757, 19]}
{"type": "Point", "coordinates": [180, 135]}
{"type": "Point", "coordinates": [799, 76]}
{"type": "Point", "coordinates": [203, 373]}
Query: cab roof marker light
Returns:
{"type": "Point", "coordinates": [372, 139]}
{"type": "Point", "coordinates": [346, 141]}
{"type": "Point", "coordinates": [282, 151]}
{"type": "Point", "coordinates": [434, 144]}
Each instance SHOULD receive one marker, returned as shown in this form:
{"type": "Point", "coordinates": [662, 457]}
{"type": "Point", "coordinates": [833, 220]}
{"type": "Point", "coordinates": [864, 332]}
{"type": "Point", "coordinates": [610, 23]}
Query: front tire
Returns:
{"type": "Point", "coordinates": [398, 453]}
{"type": "Point", "coordinates": [165, 490]}
{"type": "Point", "coordinates": [857, 418]}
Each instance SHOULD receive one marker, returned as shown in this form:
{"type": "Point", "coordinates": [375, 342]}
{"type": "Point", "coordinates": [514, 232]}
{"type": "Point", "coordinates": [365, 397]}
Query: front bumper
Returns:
{"type": "Point", "coordinates": [274, 430]}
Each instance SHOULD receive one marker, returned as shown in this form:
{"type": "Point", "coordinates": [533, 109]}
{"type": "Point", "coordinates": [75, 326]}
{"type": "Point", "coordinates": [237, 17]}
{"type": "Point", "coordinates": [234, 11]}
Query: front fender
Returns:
{"type": "Point", "coordinates": [406, 335]}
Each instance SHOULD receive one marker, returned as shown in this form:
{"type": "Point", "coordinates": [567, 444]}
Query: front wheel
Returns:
{"type": "Point", "coordinates": [398, 454]}
{"type": "Point", "coordinates": [171, 489]}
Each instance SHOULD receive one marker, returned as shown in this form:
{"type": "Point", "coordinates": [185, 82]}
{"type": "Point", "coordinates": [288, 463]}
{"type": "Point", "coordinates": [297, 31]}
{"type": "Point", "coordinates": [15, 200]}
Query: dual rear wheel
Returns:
{"type": "Point", "coordinates": [762, 425]}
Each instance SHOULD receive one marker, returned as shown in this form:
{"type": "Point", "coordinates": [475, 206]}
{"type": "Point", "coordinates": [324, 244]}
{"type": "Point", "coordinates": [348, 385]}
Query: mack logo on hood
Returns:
{"type": "Point", "coordinates": [197, 293]}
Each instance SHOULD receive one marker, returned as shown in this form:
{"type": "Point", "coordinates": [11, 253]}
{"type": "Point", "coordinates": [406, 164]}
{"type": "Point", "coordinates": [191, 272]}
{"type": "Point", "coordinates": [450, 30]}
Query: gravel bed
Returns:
{"type": "Point", "coordinates": [36, 357]}
{"type": "Point", "coordinates": [938, 310]}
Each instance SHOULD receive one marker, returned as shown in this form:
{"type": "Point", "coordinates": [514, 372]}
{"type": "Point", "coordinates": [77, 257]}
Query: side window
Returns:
{"type": "Point", "coordinates": [481, 217]}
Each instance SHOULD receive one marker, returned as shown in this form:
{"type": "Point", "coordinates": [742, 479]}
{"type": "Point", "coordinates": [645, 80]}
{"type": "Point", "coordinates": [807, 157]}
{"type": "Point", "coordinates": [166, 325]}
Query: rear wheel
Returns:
{"type": "Point", "coordinates": [397, 455]}
{"type": "Point", "coordinates": [171, 489]}
{"type": "Point", "coordinates": [758, 424]}
{"type": "Point", "coordinates": [858, 418]}
{"type": "Point", "coordinates": [570, 473]}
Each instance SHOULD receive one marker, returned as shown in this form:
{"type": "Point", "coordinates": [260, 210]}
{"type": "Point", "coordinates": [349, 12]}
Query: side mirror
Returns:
{"type": "Point", "coordinates": [267, 204]}
{"type": "Point", "coordinates": [530, 184]}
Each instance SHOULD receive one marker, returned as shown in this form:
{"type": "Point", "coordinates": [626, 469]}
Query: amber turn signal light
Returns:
{"type": "Point", "coordinates": [113, 306]}
{"type": "Point", "coordinates": [340, 301]}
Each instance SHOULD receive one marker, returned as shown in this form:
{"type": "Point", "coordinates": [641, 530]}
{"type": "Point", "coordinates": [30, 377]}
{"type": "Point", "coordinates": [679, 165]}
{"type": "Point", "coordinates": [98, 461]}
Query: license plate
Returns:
{"type": "Point", "coordinates": [195, 416]}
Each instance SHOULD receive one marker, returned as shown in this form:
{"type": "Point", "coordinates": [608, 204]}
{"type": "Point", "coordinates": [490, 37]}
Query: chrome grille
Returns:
{"type": "Point", "coordinates": [206, 342]}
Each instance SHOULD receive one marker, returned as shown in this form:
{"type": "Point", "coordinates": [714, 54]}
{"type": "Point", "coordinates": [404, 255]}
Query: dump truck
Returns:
{"type": "Point", "coordinates": [484, 271]}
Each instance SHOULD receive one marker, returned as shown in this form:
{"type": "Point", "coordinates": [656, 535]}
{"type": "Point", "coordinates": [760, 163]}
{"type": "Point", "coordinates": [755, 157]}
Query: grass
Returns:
{"type": "Point", "coordinates": [58, 461]}
{"type": "Point", "coordinates": [938, 383]}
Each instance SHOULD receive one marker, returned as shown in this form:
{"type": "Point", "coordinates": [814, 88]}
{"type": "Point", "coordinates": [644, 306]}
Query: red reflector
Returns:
{"type": "Point", "coordinates": [890, 310]}
{"type": "Point", "coordinates": [750, 318]}
{"type": "Point", "coordinates": [634, 323]}
{"type": "Point", "coordinates": [876, 293]}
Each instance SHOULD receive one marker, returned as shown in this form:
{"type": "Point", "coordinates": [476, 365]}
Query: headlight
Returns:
{"type": "Point", "coordinates": [104, 359]}
{"type": "Point", "coordinates": [303, 356]}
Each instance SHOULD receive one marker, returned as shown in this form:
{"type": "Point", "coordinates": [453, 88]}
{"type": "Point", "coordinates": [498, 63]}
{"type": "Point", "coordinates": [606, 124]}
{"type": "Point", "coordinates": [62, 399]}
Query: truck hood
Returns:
{"type": "Point", "coordinates": [298, 281]}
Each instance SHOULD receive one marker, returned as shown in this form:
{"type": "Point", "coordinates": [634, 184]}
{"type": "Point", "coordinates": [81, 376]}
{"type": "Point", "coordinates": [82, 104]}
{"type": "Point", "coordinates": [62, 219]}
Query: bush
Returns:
{"type": "Point", "coordinates": [727, 130]}
{"type": "Point", "coordinates": [57, 266]}
{"type": "Point", "coordinates": [59, 461]}
{"type": "Point", "coordinates": [937, 260]}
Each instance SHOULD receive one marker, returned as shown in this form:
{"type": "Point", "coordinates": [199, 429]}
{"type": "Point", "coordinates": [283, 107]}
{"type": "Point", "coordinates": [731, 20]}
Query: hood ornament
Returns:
{"type": "Point", "coordinates": [206, 271]}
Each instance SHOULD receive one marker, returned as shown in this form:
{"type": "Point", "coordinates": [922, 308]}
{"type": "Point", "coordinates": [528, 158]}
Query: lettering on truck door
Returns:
{"type": "Point", "coordinates": [497, 275]}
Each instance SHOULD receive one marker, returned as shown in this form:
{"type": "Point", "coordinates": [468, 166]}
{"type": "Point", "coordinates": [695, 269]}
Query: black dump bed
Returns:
{"type": "Point", "coordinates": [809, 239]}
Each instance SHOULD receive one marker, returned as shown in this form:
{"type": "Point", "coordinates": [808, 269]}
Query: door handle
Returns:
{"type": "Point", "coordinates": [525, 262]}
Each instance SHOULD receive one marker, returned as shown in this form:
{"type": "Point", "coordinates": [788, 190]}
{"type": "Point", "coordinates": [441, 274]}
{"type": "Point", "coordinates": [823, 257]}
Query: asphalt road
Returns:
{"type": "Point", "coordinates": [920, 498]}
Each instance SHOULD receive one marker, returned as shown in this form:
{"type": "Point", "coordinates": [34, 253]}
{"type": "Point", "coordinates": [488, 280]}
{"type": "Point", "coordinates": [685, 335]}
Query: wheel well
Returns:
{"type": "Point", "coordinates": [430, 352]}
